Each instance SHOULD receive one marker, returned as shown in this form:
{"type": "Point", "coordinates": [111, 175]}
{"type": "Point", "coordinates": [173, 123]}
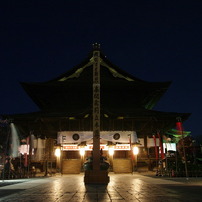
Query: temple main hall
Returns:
{"type": "Point", "coordinates": [64, 123]}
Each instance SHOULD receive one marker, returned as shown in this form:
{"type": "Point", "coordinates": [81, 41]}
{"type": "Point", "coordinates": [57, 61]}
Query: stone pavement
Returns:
{"type": "Point", "coordinates": [122, 187]}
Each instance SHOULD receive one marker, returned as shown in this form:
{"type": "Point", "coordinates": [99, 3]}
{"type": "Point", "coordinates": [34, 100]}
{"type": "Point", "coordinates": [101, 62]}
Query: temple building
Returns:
{"type": "Point", "coordinates": [127, 119]}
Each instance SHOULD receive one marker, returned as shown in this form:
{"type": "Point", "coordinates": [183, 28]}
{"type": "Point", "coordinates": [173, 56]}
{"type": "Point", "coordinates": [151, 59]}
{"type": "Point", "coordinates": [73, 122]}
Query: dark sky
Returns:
{"type": "Point", "coordinates": [152, 40]}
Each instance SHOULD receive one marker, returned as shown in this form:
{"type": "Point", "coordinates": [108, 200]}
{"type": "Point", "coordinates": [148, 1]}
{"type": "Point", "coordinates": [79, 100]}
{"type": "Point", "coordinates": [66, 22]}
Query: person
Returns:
{"type": "Point", "coordinates": [9, 170]}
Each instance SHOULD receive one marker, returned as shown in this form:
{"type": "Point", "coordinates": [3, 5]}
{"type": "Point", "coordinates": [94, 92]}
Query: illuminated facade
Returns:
{"type": "Point", "coordinates": [127, 118]}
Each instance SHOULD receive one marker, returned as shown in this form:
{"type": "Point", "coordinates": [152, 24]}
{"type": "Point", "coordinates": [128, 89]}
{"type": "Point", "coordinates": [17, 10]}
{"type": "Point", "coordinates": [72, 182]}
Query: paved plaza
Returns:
{"type": "Point", "coordinates": [122, 187]}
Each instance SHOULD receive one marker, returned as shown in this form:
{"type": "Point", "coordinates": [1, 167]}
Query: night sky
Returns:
{"type": "Point", "coordinates": [152, 40]}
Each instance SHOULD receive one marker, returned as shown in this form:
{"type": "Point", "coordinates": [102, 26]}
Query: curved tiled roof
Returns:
{"type": "Point", "coordinates": [73, 89]}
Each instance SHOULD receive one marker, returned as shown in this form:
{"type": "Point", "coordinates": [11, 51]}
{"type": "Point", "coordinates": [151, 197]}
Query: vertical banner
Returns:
{"type": "Point", "coordinates": [96, 107]}
{"type": "Point", "coordinates": [161, 145]}
{"type": "Point", "coordinates": [156, 149]}
{"type": "Point", "coordinates": [179, 127]}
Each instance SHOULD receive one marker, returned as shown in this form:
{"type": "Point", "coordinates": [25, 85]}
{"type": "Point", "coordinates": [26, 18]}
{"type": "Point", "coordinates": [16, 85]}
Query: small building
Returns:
{"type": "Point", "coordinates": [127, 117]}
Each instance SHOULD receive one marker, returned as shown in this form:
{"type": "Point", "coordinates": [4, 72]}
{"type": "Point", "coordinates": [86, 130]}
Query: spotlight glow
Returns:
{"type": "Point", "coordinates": [82, 151]}
{"type": "Point", "coordinates": [135, 150]}
{"type": "Point", "coordinates": [57, 152]}
{"type": "Point", "coordinates": [111, 151]}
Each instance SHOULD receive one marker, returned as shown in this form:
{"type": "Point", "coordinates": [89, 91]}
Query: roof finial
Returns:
{"type": "Point", "coordinates": [96, 46]}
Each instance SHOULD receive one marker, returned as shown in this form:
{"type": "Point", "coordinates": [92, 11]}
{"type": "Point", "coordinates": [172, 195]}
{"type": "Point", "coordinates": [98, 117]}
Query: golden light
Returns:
{"type": "Point", "coordinates": [82, 151]}
{"type": "Point", "coordinates": [111, 151]}
{"type": "Point", "coordinates": [135, 150]}
{"type": "Point", "coordinates": [57, 152]}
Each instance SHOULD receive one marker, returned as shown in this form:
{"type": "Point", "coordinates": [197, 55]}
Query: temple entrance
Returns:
{"type": "Point", "coordinates": [71, 162]}
{"type": "Point", "coordinates": [71, 166]}
{"type": "Point", "coordinates": [121, 165]}
{"type": "Point", "coordinates": [122, 162]}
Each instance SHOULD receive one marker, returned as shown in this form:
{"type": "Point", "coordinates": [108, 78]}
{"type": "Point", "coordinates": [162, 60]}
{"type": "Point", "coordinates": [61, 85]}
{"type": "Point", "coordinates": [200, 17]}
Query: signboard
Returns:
{"type": "Point", "coordinates": [90, 147]}
{"type": "Point", "coordinates": [71, 137]}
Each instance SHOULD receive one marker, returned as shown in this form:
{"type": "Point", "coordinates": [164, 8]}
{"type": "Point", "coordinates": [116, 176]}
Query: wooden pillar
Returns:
{"type": "Point", "coordinates": [96, 109]}
{"type": "Point", "coordinates": [96, 176]}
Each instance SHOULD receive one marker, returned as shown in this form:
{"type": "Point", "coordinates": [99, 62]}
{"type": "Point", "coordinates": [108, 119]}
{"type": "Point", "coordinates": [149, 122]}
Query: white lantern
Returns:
{"type": "Point", "coordinates": [135, 150]}
{"type": "Point", "coordinates": [57, 152]}
{"type": "Point", "coordinates": [82, 151]}
{"type": "Point", "coordinates": [111, 151]}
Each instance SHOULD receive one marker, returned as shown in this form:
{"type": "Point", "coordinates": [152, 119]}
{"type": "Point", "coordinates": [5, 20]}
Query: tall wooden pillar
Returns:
{"type": "Point", "coordinates": [96, 176]}
{"type": "Point", "coordinates": [96, 108]}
